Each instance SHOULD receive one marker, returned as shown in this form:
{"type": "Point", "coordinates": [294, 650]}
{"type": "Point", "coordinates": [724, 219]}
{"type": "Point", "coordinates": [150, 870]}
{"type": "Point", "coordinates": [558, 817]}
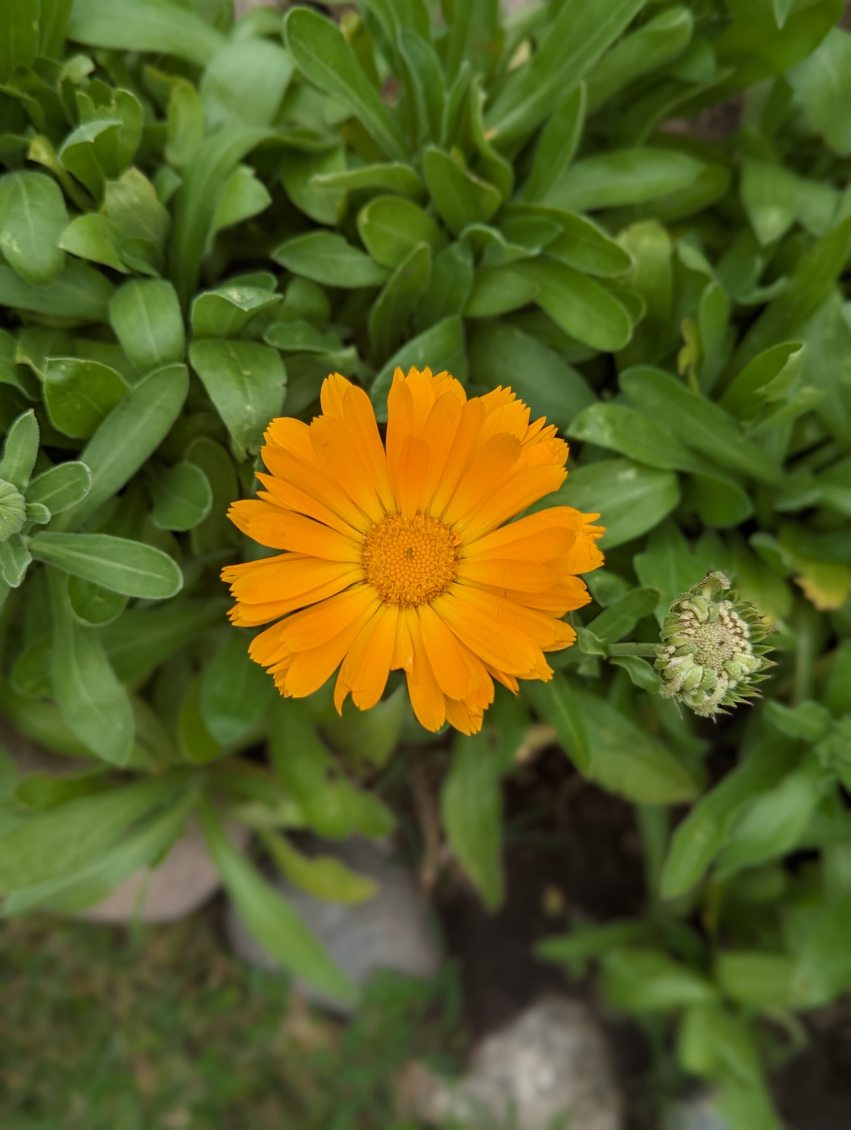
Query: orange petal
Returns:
{"type": "Point", "coordinates": [269, 525]}
{"type": "Point", "coordinates": [524, 576]}
{"type": "Point", "coordinates": [366, 667]}
{"type": "Point", "coordinates": [307, 671]}
{"type": "Point", "coordinates": [427, 699]}
{"type": "Point", "coordinates": [446, 655]}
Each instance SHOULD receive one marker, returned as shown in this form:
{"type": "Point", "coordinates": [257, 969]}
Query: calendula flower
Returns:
{"type": "Point", "coordinates": [402, 556]}
{"type": "Point", "coordinates": [711, 655]}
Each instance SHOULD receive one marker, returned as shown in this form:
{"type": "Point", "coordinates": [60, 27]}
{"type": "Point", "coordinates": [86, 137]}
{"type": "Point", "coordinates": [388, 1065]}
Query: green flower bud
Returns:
{"type": "Point", "coordinates": [13, 510]}
{"type": "Point", "coordinates": [711, 654]}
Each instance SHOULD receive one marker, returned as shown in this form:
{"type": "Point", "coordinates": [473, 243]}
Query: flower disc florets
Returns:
{"type": "Point", "coordinates": [711, 654]}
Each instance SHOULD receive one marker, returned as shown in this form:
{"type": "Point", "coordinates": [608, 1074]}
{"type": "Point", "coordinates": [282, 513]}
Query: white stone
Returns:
{"type": "Point", "coordinates": [550, 1063]}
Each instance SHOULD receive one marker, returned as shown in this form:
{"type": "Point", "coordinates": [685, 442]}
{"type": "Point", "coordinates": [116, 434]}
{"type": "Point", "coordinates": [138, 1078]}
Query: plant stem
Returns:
{"type": "Point", "coordinates": [645, 649]}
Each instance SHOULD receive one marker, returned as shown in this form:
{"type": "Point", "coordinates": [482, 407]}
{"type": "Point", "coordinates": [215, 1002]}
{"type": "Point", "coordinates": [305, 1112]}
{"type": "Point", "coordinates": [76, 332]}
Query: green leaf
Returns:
{"type": "Point", "coordinates": [216, 191]}
{"type": "Point", "coordinates": [15, 559]}
{"type": "Point", "coordinates": [556, 146]}
{"type": "Point", "coordinates": [128, 567]}
{"type": "Point", "coordinates": [131, 432]}
{"type": "Point", "coordinates": [300, 174]}
{"type": "Point", "coordinates": [471, 807]}
{"type": "Point", "coordinates": [439, 347]}
{"type": "Point", "coordinates": [246, 383]}
{"type": "Point", "coordinates": [142, 846]}
{"type": "Point", "coordinates": [498, 290]}
{"type": "Point", "coordinates": [459, 196]}
{"type": "Point", "coordinates": [92, 605]}
{"type": "Point", "coordinates": [94, 237]}
{"type": "Point", "coordinates": [144, 638]}
{"type": "Point", "coordinates": [19, 34]}
{"type": "Point", "coordinates": [718, 500]}
{"type": "Point", "coordinates": [195, 742]}
{"type": "Point", "coordinates": [651, 278]}
{"type": "Point", "coordinates": [391, 176]}
{"type": "Point", "coordinates": [79, 293]}
{"type": "Point", "coordinates": [501, 354]}
{"type": "Point", "coordinates": [329, 259]}
{"type": "Point", "coordinates": [557, 704]}
{"type": "Point", "coordinates": [269, 918]}
{"type": "Point", "coordinates": [646, 980]}
{"type": "Point", "coordinates": [474, 31]}
{"type": "Point", "coordinates": [585, 246]}
{"type": "Point", "coordinates": [623, 614]}
{"type": "Point", "coordinates": [91, 152]}
{"type": "Point", "coordinates": [782, 8]}
{"type": "Point", "coordinates": [774, 198]}
{"type": "Point", "coordinates": [758, 979]}
{"type": "Point", "coordinates": [575, 40]}
{"type": "Point", "coordinates": [629, 761]}
{"type": "Point", "coordinates": [79, 394]}
{"type": "Point", "coordinates": [391, 227]}
{"type": "Point", "coordinates": [649, 49]}
{"type": "Point", "coordinates": [630, 499]}
{"type": "Point", "coordinates": [235, 692]}
{"type": "Point", "coordinates": [20, 451]}
{"type": "Point", "coordinates": [327, 60]}
{"type": "Point", "coordinates": [145, 315]}
{"type": "Point", "coordinates": [395, 306]}
{"type": "Point", "coordinates": [776, 367]}
{"type": "Point", "coordinates": [182, 497]}
{"type": "Point", "coordinates": [226, 312]}
{"type": "Point", "coordinates": [631, 433]}
{"type": "Point", "coordinates": [700, 423]}
{"type": "Point", "coordinates": [450, 286]}
{"type": "Point", "coordinates": [226, 94]}
{"type": "Point", "coordinates": [330, 805]}
{"type": "Point", "coordinates": [159, 26]}
{"type": "Point", "coordinates": [66, 840]}
{"type": "Point", "coordinates": [811, 282]}
{"type": "Point", "coordinates": [32, 218]}
{"type": "Point", "coordinates": [705, 830]}
{"type": "Point", "coordinates": [823, 87]}
{"type": "Point", "coordinates": [61, 487]}
{"type": "Point", "coordinates": [92, 701]}
{"type": "Point", "coordinates": [775, 822]}
{"type": "Point", "coordinates": [578, 304]}
{"type": "Point", "coordinates": [322, 876]}
{"type": "Point", "coordinates": [625, 177]}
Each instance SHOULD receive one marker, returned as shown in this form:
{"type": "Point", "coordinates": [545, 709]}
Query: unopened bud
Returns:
{"type": "Point", "coordinates": [711, 654]}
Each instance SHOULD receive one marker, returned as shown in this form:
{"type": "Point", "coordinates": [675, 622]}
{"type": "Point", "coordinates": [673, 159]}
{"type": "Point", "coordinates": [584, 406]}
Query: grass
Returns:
{"type": "Point", "coordinates": [105, 1028]}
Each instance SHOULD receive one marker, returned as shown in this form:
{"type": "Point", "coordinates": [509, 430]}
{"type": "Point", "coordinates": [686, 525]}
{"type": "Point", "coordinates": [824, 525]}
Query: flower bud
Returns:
{"type": "Point", "coordinates": [711, 653]}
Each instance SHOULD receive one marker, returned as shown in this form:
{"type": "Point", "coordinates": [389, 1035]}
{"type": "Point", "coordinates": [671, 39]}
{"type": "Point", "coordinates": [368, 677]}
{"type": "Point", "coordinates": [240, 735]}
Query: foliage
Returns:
{"type": "Point", "coordinates": [186, 254]}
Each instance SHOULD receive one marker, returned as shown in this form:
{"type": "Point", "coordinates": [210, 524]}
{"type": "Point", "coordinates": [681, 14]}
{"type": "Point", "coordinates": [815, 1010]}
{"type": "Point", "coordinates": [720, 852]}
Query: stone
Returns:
{"type": "Point", "coordinates": [696, 1113]}
{"type": "Point", "coordinates": [549, 1067]}
{"type": "Point", "coordinates": [390, 931]}
{"type": "Point", "coordinates": [184, 880]}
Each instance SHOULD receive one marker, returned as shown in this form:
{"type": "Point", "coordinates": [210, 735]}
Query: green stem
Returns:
{"type": "Point", "coordinates": [645, 649]}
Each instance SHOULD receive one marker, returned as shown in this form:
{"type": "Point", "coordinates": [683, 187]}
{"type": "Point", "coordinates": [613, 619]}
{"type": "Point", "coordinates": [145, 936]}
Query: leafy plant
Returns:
{"type": "Point", "coordinates": [201, 219]}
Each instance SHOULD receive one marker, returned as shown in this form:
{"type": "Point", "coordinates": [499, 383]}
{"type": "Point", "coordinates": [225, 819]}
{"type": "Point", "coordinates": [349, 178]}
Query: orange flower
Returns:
{"type": "Point", "coordinates": [398, 556]}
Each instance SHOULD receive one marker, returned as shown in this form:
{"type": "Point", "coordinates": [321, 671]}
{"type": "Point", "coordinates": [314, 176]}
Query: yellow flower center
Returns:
{"type": "Point", "coordinates": [410, 560]}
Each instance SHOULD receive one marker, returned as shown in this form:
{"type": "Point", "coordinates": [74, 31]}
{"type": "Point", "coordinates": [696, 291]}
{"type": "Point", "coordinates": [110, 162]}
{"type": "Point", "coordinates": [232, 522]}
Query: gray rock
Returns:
{"type": "Point", "coordinates": [696, 1113]}
{"type": "Point", "coordinates": [389, 931]}
{"type": "Point", "coordinates": [548, 1068]}
{"type": "Point", "coordinates": [177, 887]}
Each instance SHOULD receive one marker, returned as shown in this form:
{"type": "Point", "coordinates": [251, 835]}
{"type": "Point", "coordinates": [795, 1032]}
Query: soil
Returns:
{"type": "Point", "coordinates": [582, 860]}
